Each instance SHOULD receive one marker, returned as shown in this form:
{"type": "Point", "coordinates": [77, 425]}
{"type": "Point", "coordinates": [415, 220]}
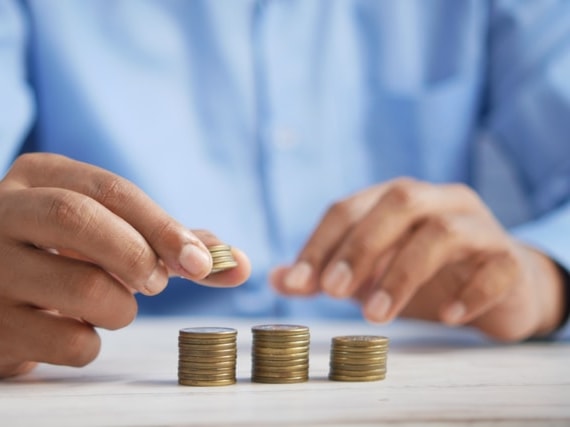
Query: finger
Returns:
{"type": "Point", "coordinates": [489, 285]}
{"type": "Point", "coordinates": [177, 246]}
{"type": "Point", "coordinates": [435, 243]}
{"type": "Point", "coordinates": [33, 335]}
{"type": "Point", "coordinates": [398, 211]}
{"type": "Point", "coordinates": [74, 288]}
{"type": "Point", "coordinates": [302, 277]}
{"type": "Point", "coordinates": [13, 369]}
{"type": "Point", "coordinates": [57, 218]}
{"type": "Point", "coordinates": [277, 279]}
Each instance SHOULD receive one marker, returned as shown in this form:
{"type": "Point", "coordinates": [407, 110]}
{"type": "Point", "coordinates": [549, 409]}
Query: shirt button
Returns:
{"type": "Point", "coordinates": [284, 138]}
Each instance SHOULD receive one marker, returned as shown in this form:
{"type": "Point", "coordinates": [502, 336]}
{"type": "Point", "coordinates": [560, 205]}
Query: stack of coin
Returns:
{"type": "Point", "coordinates": [280, 354]}
{"type": "Point", "coordinates": [358, 358]}
{"type": "Point", "coordinates": [222, 258]}
{"type": "Point", "coordinates": [207, 356]}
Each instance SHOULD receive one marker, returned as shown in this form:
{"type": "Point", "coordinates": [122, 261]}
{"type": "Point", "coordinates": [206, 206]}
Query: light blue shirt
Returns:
{"type": "Point", "coordinates": [249, 118]}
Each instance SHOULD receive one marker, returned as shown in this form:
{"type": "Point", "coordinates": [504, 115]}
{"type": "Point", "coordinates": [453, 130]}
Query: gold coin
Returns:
{"type": "Point", "coordinates": [220, 247]}
{"type": "Point", "coordinates": [208, 355]}
{"type": "Point", "coordinates": [218, 268]}
{"type": "Point", "coordinates": [360, 340]}
{"type": "Point", "coordinates": [358, 355]}
{"type": "Point", "coordinates": [280, 364]}
{"type": "Point", "coordinates": [357, 368]}
{"type": "Point", "coordinates": [280, 344]}
{"type": "Point", "coordinates": [205, 376]}
{"type": "Point", "coordinates": [356, 379]}
{"type": "Point", "coordinates": [205, 355]}
{"type": "Point", "coordinates": [357, 373]}
{"type": "Point", "coordinates": [202, 383]}
{"type": "Point", "coordinates": [222, 257]}
{"type": "Point", "coordinates": [207, 339]}
{"type": "Point", "coordinates": [281, 350]}
{"type": "Point", "coordinates": [257, 357]}
{"type": "Point", "coordinates": [280, 339]}
{"type": "Point", "coordinates": [208, 362]}
{"type": "Point", "coordinates": [360, 360]}
{"type": "Point", "coordinates": [203, 347]}
{"type": "Point", "coordinates": [279, 329]}
{"type": "Point", "coordinates": [207, 331]}
{"type": "Point", "coordinates": [208, 366]}
{"type": "Point", "coordinates": [269, 380]}
{"type": "Point", "coordinates": [278, 375]}
{"type": "Point", "coordinates": [223, 263]}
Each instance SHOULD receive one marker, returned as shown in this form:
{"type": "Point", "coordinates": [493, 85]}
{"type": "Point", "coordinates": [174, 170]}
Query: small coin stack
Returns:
{"type": "Point", "coordinates": [358, 358]}
{"type": "Point", "coordinates": [207, 356]}
{"type": "Point", "coordinates": [222, 258]}
{"type": "Point", "coordinates": [280, 354]}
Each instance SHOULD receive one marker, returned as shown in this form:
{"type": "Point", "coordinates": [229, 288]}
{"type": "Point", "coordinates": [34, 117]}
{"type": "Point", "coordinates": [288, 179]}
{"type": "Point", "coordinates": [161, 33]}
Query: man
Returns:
{"type": "Point", "coordinates": [249, 118]}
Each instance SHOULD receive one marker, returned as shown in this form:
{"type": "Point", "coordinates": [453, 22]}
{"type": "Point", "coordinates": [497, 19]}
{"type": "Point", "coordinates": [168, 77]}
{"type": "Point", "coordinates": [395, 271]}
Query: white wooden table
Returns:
{"type": "Point", "coordinates": [436, 377]}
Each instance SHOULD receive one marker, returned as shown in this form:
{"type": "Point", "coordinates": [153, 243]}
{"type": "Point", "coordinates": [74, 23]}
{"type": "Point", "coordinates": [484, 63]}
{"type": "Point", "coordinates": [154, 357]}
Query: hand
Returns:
{"type": "Point", "coordinates": [432, 252]}
{"type": "Point", "coordinates": [76, 242]}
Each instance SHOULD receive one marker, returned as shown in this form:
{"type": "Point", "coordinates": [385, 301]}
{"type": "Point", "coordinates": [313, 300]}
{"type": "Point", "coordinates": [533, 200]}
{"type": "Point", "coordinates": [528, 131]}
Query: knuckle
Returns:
{"type": "Point", "coordinates": [442, 226]}
{"type": "Point", "coordinates": [138, 261]}
{"type": "Point", "coordinates": [403, 279]}
{"type": "Point", "coordinates": [66, 211]}
{"type": "Point", "coordinates": [112, 190]}
{"type": "Point", "coordinates": [507, 260]}
{"type": "Point", "coordinates": [167, 232]}
{"type": "Point", "coordinates": [487, 290]}
{"type": "Point", "coordinates": [25, 161]}
{"type": "Point", "coordinates": [82, 346]}
{"type": "Point", "coordinates": [404, 193]}
{"type": "Point", "coordinates": [94, 288]}
{"type": "Point", "coordinates": [340, 212]}
{"type": "Point", "coordinates": [362, 246]}
{"type": "Point", "coordinates": [468, 195]}
{"type": "Point", "coordinates": [110, 303]}
{"type": "Point", "coordinates": [33, 161]}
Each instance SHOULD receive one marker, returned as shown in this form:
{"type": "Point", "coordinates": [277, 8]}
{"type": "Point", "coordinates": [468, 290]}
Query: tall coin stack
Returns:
{"type": "Point", "coordinates": [222, 258]}
{"type": "Point", "coordinates": [207, 356]}
{"type": "Point", "coordinates": [358, 358]}
{"type": "Point", "coordinates": [280, 354]}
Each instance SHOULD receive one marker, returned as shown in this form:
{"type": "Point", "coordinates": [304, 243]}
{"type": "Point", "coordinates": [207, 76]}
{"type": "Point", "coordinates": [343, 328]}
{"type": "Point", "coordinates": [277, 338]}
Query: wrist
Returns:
{"type": "Point", "coordinates": [550, 282]}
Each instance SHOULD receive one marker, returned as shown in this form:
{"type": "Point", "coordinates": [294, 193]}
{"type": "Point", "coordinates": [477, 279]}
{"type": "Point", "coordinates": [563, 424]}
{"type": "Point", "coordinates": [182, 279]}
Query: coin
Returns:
{"type": "Point", "coordinates": [222, 258]}
{"type": "Point", "coordinates": [360, 340]}
{"type": "Point", "coordinates": [356, 379]}
{"type": "Point", "coordinates": [207, 356]}
{"type": "Point", "coordinates": [358, 358]}
{"type": "Point", "coordinates": [204, 331]}
{"type": "Point", "coordinates": [280, 353]}
{"type": "Point", "coordinates": [205, 383]}
{"type": "Point", "coordinates": [289, 380]}
{"type": "Point", "coordinates": [279, 329]}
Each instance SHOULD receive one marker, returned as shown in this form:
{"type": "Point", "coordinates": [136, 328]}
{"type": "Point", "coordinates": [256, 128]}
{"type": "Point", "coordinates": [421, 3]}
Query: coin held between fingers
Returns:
{"type": "Point", "coordinates": [222, 258]}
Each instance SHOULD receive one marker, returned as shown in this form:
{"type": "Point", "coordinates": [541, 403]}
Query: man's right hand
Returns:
{"type": "Point", "coordinates": [76, 242]}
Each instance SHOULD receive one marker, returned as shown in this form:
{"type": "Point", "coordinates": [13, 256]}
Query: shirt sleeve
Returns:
{"type": "Point", "coordinates": [529, 114]}
{"type": "Point", "coordinates": [16, 104]}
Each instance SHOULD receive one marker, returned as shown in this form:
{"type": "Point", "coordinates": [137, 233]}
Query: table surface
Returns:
{"type": "Point", "coordinates": [436, 376]}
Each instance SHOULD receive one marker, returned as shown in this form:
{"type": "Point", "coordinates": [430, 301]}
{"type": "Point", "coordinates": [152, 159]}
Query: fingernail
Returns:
{"type": "Point", "coordinates": [156, 282]}
{"type": "Point", "coordinates": [454, 313]}
{"type": "Point", "coordinates": [195, 260]}
{"type": "Point", "coordinates": [296, 279]}
{"type": "Point", "coordinates": [378, 306]}
{"type": "Point", "coordinates": [337, 280]}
